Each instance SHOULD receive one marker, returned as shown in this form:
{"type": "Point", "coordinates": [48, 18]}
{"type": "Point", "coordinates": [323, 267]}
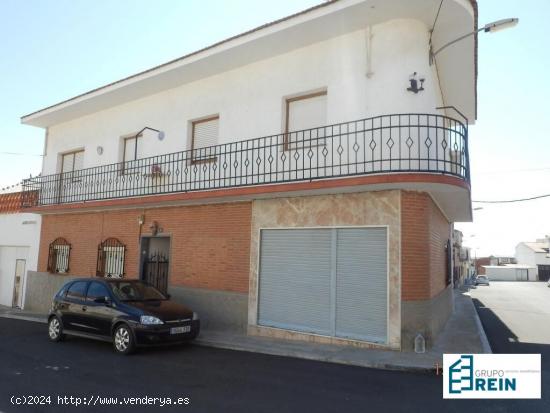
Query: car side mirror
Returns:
{"type": "Point", "coordinates": [168, 296]}
{"type": "Point", "coordinates": [103, 300]}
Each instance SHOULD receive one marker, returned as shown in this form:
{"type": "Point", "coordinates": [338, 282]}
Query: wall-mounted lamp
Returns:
{"type": "Point", "coordinates": [414, 80]}
{"type": "Point", "coordinates": [160, 134]}
{"type": "Point", "coordinates": [99, 150]}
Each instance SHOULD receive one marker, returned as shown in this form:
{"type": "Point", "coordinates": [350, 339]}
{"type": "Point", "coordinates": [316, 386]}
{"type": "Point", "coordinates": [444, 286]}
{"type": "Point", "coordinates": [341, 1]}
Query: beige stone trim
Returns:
{"type": "Point", "coordinates": [374, 208]}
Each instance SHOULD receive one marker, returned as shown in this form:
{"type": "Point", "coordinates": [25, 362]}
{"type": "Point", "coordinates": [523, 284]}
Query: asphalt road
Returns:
{"type": "Point", "coordinates": [516, 319]}
{"type": "Point", "coordinates": [214, 380]}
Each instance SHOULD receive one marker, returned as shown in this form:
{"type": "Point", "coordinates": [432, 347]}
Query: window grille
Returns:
{"type": "Point", "coordinates": [110, 258]}
{"type": "Point", "coordinates": [58, 256]}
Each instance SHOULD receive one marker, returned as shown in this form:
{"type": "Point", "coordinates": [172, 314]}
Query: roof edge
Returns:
{"type": "Point", "coordinates": [178, 59]}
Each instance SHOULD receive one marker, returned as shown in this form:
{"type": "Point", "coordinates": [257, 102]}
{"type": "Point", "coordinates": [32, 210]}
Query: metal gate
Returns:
{"type": "Point", "coordinates": [155, 271]}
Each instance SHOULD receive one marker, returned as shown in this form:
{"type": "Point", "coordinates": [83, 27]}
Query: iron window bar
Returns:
{"type": "Point", "coordinates": [59, 256]}
{"type": "Point", "coordinates": [111, 256]}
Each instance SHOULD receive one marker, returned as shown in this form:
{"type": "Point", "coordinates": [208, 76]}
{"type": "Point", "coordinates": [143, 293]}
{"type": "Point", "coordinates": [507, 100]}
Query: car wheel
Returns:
{"type": "Point", "coordinates": [123, 341]}
{"type": "Point", "coordinates": [55, 330]}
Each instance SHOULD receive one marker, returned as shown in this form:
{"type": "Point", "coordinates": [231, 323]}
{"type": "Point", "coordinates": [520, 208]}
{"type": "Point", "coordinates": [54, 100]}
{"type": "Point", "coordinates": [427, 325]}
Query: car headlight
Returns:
{"type": "Point", "coordinates": [195, 316]}
{"type": "Point", "coordinates": [150, 320]}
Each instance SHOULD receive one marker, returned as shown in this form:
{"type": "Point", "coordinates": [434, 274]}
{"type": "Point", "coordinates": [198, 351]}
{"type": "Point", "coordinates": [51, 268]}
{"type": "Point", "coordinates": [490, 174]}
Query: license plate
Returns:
{"type": "Point", "coordinates": [180, 330]}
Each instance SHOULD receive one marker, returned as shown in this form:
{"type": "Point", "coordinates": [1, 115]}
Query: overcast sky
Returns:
{"type": "Point", "coordinates": [53, 50]}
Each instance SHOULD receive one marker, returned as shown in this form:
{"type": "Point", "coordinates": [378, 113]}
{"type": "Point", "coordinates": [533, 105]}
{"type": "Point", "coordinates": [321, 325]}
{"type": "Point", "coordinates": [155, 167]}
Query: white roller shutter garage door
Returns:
{"type": "Point", "coordinates": [328, 281]}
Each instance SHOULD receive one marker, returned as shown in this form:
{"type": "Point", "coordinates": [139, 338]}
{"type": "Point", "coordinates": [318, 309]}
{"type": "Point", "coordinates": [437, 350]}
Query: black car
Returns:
{"type": "Point", "coordinates": [128, 313]}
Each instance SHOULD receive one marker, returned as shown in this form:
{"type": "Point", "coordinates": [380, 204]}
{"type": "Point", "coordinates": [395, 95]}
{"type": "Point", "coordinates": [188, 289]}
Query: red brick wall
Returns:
{"type": "Point", "coordinates": [209, 243]}
{"type": "Point", "coordinates": [439, 235]}
{"type": "Point", "coordinates": [424, 234]}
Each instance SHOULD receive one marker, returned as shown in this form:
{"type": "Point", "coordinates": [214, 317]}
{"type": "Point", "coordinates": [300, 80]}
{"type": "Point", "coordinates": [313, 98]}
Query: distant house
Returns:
{"type": "Point", "coordinates": [19, 240]}
{"type": "Point", "coordinates": [461, 260]}
{"type": "Point", "coordinates": [536, 254]}
{"type": "Point", "coordinates": [493, 260]}
{"type": "Point", "coordinates": [511, 272]}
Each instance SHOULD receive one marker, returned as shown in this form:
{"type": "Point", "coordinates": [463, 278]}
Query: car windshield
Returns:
{"type": "Point", "coordinates": [136, 291]}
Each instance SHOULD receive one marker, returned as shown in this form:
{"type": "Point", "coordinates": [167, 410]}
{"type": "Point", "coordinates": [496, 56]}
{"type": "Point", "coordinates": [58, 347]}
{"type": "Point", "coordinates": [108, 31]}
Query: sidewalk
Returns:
{"type": "Point", "coordinates": [462, 334]}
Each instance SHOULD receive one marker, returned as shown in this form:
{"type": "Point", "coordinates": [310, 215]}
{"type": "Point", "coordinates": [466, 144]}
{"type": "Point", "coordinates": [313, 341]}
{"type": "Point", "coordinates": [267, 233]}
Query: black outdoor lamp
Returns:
{"type": "Point", "coordinates": [414, 80]}
{"type": "Point", "coordinates": [160, 134]}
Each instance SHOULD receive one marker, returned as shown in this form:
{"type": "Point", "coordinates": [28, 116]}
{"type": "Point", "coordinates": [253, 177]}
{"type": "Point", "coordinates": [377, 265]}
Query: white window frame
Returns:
{"type": "Point", "coordinates": [73, 173]}
{"type": "Point", "coordinates": [288, 145]}
{"type": "Point", "coordinates": [202, 159]}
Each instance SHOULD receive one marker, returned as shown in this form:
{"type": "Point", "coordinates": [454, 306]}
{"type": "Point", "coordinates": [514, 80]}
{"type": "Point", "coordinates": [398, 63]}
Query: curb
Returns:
{"type": "Point", "coordinates": [482, 335]}
{"type": "Point", "coordinates": [305, 356]}
{"type": "Point", "coordinates": [35, 319]}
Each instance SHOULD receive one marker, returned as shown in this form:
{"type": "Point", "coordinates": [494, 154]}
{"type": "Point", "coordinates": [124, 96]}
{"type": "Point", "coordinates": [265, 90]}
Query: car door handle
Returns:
{"type": "Point", "coordinates": [84, 308]}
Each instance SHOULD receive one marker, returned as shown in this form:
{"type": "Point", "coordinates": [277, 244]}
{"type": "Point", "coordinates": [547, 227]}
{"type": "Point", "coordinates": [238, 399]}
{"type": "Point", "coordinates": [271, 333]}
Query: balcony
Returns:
{"type": "Point", "coordinates": [400, 143]}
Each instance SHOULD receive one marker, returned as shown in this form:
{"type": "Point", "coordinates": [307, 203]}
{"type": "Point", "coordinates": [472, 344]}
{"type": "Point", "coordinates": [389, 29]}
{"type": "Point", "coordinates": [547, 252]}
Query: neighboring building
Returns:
{"type": "Point", "coordinates": [536, 254]}
{"type": "Point", "coordinates": [461, 259]}
{"type": "Point", "coordinates": [286, 182]}
{"type": "Point", "coordinates": [19, 240]}
{"type": "Point", "coordinates": [481, 263]}
{"type": "Point", "coordinates": [502, 260]}
{"type": "Point", "coordinates": [511, 272]}
{"type": "Point", "coordinates": [492, 260]}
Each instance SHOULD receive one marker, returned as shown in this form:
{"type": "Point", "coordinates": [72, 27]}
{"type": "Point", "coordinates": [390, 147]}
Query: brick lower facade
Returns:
{"type": "Point", "coordinates": [210, 248]}
{"type": "Point", "coordinates": [209, 243]}
{"type": "Point", "coordinates": [424, 234]}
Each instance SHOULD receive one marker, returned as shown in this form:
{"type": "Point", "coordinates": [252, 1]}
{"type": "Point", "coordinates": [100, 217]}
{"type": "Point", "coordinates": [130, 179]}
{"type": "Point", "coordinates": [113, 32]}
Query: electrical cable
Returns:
{"type": "Point", "coordinates": [513, 200]}
{"type": "Point", "coordinates": [19, 153]}
{"type": "Point", "coordinates": [435, 21]}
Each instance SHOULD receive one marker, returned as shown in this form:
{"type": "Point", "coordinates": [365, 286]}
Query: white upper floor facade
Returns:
{"type": "Point", "coordinates": [345, 62]}
{"type": "Point", "coordinates": [362, 68]}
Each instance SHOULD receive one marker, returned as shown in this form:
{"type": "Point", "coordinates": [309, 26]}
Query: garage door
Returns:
{"type": "Point", "coordinates": [544, 272]}
{"type": "Point", "coordinates": [325, 281]}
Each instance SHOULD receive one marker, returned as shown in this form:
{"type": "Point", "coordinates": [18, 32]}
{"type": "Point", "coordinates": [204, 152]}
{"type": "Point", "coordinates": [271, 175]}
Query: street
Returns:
{"type": "Point", "coordinates": [516, 319]}
{"type": "Point", "coordinates": [212, 379]}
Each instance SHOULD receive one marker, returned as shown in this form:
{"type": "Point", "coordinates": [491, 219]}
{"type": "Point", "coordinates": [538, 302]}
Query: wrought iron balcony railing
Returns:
{"type": "Point", "coordinates": [384, 144]}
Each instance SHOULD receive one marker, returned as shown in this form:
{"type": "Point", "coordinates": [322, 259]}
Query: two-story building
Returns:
{"type": "Point", "coordinates": [299, 180]}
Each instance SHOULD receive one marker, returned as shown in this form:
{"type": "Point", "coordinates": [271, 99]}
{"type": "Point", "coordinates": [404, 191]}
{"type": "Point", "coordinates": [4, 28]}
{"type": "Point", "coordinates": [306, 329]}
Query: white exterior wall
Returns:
{"type": "Point", "coordinates": [18, 240]}
{"type": "Point", "coordinates": [250, 99]}
{"type": "Point", "coordinates": [526, 255]}
{"type": "Point", "coordinates": [505, 273]}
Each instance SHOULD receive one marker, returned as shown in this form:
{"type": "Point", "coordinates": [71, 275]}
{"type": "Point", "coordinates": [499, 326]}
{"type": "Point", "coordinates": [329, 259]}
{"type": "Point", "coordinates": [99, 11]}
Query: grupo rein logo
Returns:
{"type": "Point", "coordinates": [491, 376]}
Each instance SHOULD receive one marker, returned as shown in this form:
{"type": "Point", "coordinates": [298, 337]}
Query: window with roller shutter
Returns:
{"type": "Point", "coordinates": [305, 117]}
{"type": "Point", "coordinates": [205, 133]}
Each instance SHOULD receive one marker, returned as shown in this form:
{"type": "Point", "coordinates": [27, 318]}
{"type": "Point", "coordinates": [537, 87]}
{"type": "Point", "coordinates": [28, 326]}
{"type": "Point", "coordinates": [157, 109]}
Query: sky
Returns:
{"type": "Point", "coordinates": [53, 50]}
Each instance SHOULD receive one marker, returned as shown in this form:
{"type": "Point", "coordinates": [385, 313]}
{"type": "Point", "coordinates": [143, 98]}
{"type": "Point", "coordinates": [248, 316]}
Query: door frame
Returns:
{"type": "Point", "coordinates": [388, 286]}
{"type": "Point", "coordinates": [19, 303]}
{"type": "Point", "coordinates": [142, 256]}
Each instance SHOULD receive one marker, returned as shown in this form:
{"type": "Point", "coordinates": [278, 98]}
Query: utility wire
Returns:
{"type": "Point", "coordinates": [19, 153]}
{"type": "Point", "coordinates": [513, 200]}
{"type": "Point", "coordinates": [435, 21]}
{"type": "Point", "coordinates": [502, 171]}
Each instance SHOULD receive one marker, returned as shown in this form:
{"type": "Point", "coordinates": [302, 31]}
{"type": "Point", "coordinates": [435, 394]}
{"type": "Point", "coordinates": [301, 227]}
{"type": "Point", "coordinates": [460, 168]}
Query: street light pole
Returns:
{"type": "Point", "coordinates": [488, 28]}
